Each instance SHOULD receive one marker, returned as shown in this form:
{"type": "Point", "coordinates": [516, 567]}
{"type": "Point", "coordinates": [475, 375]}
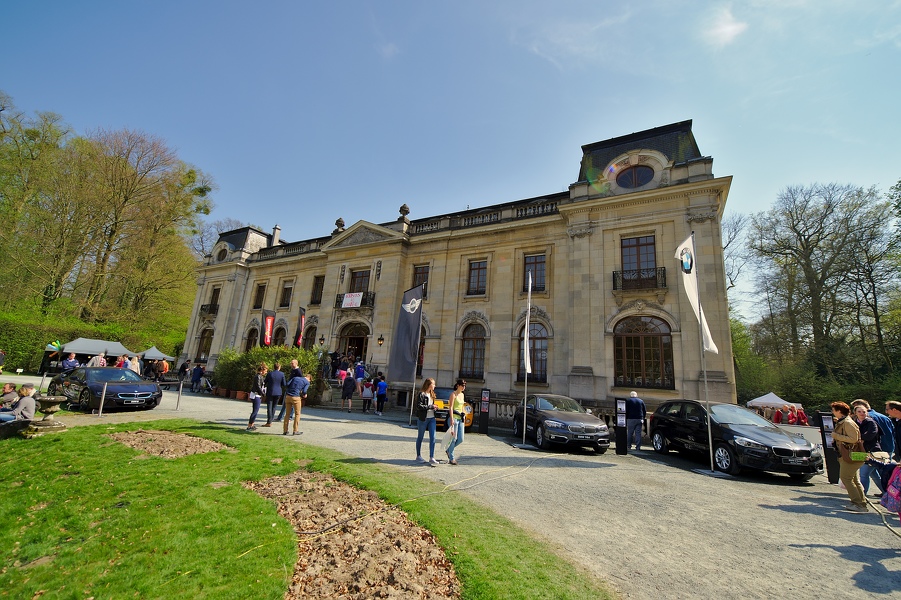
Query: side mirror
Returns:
{"type": "Point", "coordinates": [530, 407]}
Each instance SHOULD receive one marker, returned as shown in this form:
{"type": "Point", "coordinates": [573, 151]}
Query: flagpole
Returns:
{"type": "Point", "coordinates": [526, 356]}
{"type": "Point", "coordinates": [703, 354]}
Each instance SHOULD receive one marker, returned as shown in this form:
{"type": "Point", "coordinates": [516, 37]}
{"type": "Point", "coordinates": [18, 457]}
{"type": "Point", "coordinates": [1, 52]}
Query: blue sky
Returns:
{"type": "Point", "coordinates": [303, 112]}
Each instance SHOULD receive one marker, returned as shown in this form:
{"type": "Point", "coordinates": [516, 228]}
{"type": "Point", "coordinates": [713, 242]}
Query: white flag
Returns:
{"type": "Point", "coordinates": [525, 344]}
{"type": "Point", "coordinates": [686, 256]}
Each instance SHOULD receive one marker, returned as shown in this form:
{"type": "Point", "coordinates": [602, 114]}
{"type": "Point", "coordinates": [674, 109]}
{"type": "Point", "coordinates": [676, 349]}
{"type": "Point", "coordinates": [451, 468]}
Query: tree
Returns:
{"type": "Point", "coordinates": [205, 235]}
{"type": "Point", "coordinates": [810, 232]}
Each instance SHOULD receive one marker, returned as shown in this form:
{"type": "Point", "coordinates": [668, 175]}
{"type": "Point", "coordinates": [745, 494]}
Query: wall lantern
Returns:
{"type": "Point", "coordinates": [381, 340]}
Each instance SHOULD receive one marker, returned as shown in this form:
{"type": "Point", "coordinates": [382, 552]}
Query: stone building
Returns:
{"type": "Point", "coordinates": [609, 312]}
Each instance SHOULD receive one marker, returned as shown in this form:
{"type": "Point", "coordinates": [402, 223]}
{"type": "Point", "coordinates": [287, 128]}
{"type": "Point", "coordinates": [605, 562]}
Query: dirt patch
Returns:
{"type": "Point", "coordinates": [351, 544]}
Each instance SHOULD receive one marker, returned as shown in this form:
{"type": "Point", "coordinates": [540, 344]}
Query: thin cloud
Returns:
{"type": "Point", "coordinates": [561, 42]}
{"type": "Point", "coordinates": [723, 28]}
{"type": "Point", "coordinates": [388, 50]}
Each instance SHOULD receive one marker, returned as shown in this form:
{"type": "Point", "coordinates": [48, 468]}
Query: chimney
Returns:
{"type": "Point", "coordinates": [275, 231]}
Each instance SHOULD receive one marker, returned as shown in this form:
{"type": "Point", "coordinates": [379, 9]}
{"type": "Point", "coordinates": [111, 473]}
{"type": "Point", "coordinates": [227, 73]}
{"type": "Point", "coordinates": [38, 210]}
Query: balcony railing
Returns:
{"type": "Point", "coordinates": [209, 309]}
{"type": "Point", "coordinates": [640, 279]}
{"type": "Point", "coordinates": [533, 377]}
{"type": "Point", "coordinates": [367, 300]}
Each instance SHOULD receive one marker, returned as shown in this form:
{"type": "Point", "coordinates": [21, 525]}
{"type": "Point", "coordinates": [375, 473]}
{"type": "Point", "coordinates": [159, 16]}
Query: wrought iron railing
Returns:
{"type": "Point", "coordinates": [472, 374]}
{"type": "Point", "coordinates": [640, 279]}
{"type": "Point", "coordinates": [209, 309]}
{"type": "Point", "coordinates": [367, 300]}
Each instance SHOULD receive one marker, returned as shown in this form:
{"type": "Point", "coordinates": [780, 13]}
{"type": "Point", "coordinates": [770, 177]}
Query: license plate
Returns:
{"type": "Point", "coordinates": [132, 401]}
{"type": "Point", "coordinates": [794, 461]}
{"type": "Point", "coordinates": [583, 437]}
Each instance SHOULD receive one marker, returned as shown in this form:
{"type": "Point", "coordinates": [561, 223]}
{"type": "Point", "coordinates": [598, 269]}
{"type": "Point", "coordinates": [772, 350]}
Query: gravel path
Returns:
{"type": "Point", "coordinates": [653, 526]}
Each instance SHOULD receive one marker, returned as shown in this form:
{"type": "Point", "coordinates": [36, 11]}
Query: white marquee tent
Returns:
{"type": "Point", "coordinates": [771, 400]}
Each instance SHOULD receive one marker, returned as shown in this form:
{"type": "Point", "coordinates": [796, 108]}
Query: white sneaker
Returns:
{"type": "Point", "coordinates": [433, 462]}
{"type": "Point", "coordinates": [420, 459]}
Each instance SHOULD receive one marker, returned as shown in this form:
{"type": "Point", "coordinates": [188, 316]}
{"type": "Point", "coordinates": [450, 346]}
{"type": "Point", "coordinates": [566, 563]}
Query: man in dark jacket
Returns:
{"type": "Point", "coordinates": [635, 415]}
{"type": "Point", "coordinates": [275, 381]}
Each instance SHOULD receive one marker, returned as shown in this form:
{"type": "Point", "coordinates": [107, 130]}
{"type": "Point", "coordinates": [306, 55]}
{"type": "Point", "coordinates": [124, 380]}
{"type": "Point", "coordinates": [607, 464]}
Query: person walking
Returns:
{"type": "Point", "coordinates": [275, 382]}
{"type": "Point", "coordinates": [366, 394]}
{"type": "Point", "coordinates": [381, 394]}
{"type": "Point", "coordinates": [845, 436]}
{"type": "Point", "coordinates": [455, 422]}
{"type": "Point", "coordinates": [257, 391]}
{"type": "Point", "coordinates": [196, 375]}
{"type": "Point", "coordinates": [183, 370]}
{"type": "Point", "coordinates": [869, 433]}
{"type": "Point", "coordinates": [348, 387]}
{"type": "Point", "coordinates": [425, 415]}
{"type": "Point", "coordinates": [893, 410]}
{"type": "Point", "coordinates": [295, 392]}
{"type": "Point", "coordinates": [635, 416]}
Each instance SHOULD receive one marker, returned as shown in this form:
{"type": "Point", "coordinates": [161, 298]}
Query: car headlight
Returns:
{"type": "Point", "coordinates": [751, 444]}
{"type": "Point", "coordinates": [602, 428]}
{"type": "Point", "coordinates": [554, 424]}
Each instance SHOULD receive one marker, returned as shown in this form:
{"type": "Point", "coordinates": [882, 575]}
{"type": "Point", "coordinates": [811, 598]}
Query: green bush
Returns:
{"type": "Point", "coordinates": [235, 370]}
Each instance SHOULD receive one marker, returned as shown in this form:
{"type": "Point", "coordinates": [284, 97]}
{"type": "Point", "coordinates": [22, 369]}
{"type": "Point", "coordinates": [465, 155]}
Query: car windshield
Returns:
{"type": "Point", "coordinates": [561, 403]}
{"type": "Point", "coordinates": [111, 375]}
{"type": "Point", "coordinates": [735, 415]}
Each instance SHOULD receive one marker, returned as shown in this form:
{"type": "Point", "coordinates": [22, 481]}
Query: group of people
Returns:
{"type": "Point", "coordinates": [150, 369]}
{"type": "Point", "coordinates": [17, 404]}
{"type": "Point", "coordinates": [425, 415]}
{"type": "Point", "coordinates": [274, 386]}
{"type": "Point", "coordinates": [366, 387]}
{"type": "Point", "coordinates": [866, 441]}
{"type": "Point", "coordinates": [788, 414]}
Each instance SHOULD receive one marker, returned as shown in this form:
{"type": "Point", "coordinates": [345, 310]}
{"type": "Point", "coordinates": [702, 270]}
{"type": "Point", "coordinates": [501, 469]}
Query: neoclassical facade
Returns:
{"type": "Point", "coordinates": [609, 313]}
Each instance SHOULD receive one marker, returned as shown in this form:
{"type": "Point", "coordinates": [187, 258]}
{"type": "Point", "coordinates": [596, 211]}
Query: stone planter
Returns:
{"type": "Point", "coordinates": [241, 395]}
{"type": "Point", "coordinates": [232, 394]}
{"type": "Point", "coordinates": [222, 392]}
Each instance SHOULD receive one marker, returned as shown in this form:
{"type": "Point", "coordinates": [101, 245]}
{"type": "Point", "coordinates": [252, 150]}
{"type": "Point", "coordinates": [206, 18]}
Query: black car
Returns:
{"type": "Point", "coordinates": [124, 388]}
{"type": "Point", "coordinates": [741, 439]}
{"type": "Point", "coordinates": [555, 419]}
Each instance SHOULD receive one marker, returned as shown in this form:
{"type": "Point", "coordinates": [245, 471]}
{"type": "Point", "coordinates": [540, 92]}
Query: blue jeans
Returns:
{"type": "Point", "coordinates": [633, 432]}
{"type": "Point", "coordinates": [460, 426]}
{"type": "Point", "coordinates": [867, 472]}
{"type": "Point", "coordinates": [256, 409]}
{"type": "Point", "coordinates": [423, 425]}
{"type": "Point", "coordinates": [6, 417]}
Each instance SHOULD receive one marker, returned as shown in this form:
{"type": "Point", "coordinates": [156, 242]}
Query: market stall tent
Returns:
{"type": "Point", "coordinates": [153, 354]}
{"type": "Point", "coordinates": [771, 400]}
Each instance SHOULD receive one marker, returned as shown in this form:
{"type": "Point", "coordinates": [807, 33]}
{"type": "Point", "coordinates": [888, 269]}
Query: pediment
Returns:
{"type": "Point", "coordinates": [362, 233]}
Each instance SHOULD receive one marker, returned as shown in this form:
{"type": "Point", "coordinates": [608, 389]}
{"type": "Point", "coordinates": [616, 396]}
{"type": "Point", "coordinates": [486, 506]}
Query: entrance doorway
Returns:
{"type": "Point", "coordinates": [354, 340]}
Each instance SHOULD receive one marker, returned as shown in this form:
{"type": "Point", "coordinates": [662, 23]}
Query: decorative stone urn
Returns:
{"type": "Point", "coordinates": [47, 405]}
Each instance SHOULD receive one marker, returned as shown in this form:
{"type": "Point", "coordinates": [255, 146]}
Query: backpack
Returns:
{"type": "Point", "coordinates": [891, 499]}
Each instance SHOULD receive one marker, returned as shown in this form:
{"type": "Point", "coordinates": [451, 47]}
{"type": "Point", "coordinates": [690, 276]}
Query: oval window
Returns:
{"type": "Point", "coordinates": [635, 177]}
{"type": "Point", "coordinates": [220, 256]}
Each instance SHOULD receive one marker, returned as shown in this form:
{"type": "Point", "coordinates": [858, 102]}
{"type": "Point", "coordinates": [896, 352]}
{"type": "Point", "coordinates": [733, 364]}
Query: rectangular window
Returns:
{"type": "Point", "coordinates": [359, 281]}
{"type": "Point", "coordinates": [214, 297]}
{"type": "Point", "coordinates": [421, 276]}
{"type": "Point", "coordinates": [478, 277]}
{"type": "Point", "coordinates": [259, 296]}
{"type": "Point", "coordinates": [318, 285]}
{"type": "Point", "coordinates": [535, 264]}
{"type": "Point", "coordinates": [287, 290]}
{"type": "Point", "coordinates": [639, 263]}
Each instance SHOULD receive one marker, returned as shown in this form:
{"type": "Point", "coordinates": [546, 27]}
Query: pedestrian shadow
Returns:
{"type": "Point", "coordinates": [873, 576]}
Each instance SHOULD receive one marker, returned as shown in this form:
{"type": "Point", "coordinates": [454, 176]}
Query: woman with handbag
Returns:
{"type": "Point", "coordinates": [257, 391]}
{"type": "Point", "coordinates": [846, 437]}
{"type": "Point", "coordinates": [425, 414]}
{"type": "Point", "coordinates": [869, 433]}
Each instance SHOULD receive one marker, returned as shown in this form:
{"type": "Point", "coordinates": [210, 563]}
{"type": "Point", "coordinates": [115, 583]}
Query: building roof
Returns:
{"type": "Point", "coordinates": [675, 141]}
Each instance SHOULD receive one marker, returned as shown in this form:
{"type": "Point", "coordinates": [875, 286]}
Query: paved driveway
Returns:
{"type": "Point", "coordinates": [653, 526]}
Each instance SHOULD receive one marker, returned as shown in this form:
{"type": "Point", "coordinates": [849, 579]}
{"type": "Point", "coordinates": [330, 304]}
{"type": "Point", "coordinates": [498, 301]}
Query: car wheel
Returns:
{"type": "Point", "coordinates": [801, 476]}
{"type": "Point", "coordinates": [52, 389]}
{"type": "Point", "coordinates": [541, 437]}
{"type": "Point", "coordinates": [517, 428]}
{"type": "Point", "coordinates": [85, 400]}
{"type": "Point", "coordinates": [599, 450]}
{"type": "Point", "coordinates": [659, 443]}
{"type": "Point", "coordinates": [724, 458]}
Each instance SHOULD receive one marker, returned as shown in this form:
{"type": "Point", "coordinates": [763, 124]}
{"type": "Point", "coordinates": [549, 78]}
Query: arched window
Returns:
{"type": "Point", "coordinates": [472, 363]}
{"type": "Point", "coordinates": [281, 334]}
{"type": "Point", "coordinates": [643, 353]}
{"type": "Point", "coordinates": [309, 338]}
{"type": "Point", "coordinates": [537, 354]}
{"type": "Point", "coordinates": [253, 337]}
{"type": "Point", "coordinates": [203, 348]}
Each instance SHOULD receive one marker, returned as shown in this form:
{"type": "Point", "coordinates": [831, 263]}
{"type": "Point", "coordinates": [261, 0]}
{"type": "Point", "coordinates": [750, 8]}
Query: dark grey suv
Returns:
{"type": "Point", "coordinates": [555, 419]}
{"type": "Point", "coordinates": [741, 439]}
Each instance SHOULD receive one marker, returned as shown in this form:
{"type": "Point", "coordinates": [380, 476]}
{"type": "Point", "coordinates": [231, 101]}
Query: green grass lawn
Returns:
{"type": "Point", "coordinates": [85, 516]}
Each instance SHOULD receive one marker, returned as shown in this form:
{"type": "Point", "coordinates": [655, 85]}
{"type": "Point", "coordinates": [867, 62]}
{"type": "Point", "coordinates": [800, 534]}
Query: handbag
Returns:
{"type": "Point", "coordinates": [853, 453]}
{"type": "Point", "coordinates": [448, 438]}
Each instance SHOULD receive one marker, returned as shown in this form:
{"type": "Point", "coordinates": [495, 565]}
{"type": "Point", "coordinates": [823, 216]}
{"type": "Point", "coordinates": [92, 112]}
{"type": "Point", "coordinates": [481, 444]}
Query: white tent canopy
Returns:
{"type": "Point", "coordinates": [93, 347]}
{"type": "Point", "coordinates": [153, 354]}
{"type": "Point", "coordinates": [771, 400]}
